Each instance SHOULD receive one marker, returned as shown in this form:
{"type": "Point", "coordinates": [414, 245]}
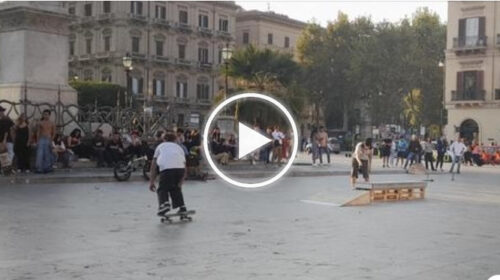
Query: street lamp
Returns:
{"type": "Point", "coordinates": [442, 66]}
{"type": "Point", "coordinates": [127, 64]}
{"type": "Point", "coordinates": [227, 53]}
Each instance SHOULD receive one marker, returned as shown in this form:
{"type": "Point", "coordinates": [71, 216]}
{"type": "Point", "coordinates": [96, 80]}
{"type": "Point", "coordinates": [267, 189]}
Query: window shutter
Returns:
{"type": "Point", "coordinates": [480, 80]}
{"type": "Point", "coordinates": [132, 7]}
{"type": "Point", "coordinates": [177, 89]}
{"type": "Point", "coordinates": [482, 26]}
{"type": "Point", "coordinates": [205, 21]}
{"type": "Point", "coordinates": [460, 82]}
{"type": "Point", "coordinates": [162, 87]}
{"type": "Point", "coordinates": [141, 84]}
{"type": "Point", "coordinates": [139, 7]}
{"type": "Point", "coordinates": [154, 87]}
{"type": "Point", "coordinates": [461, 32]}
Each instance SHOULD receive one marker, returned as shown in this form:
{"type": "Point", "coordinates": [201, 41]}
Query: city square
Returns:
{"type": "Point", "coordinates": [249, 140]}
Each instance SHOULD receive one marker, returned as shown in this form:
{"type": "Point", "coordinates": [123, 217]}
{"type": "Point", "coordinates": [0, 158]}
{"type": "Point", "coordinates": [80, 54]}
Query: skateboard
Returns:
{"type": "Point", "coordinates": [186, 216]}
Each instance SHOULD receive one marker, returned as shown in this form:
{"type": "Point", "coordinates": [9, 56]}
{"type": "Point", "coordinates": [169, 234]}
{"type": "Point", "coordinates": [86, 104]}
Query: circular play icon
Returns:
{"type": "Point", "coordinates": [249, 141]}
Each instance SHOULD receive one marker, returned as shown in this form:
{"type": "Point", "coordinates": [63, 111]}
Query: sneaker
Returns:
{"type": "Point", "coordinates": [182, 210]}
{"type": "Point", "coordinates": [163, 209]}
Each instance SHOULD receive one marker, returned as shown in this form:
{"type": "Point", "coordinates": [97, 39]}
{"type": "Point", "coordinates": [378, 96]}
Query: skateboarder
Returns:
{"type": "Point", "coordinates": [171, 160]}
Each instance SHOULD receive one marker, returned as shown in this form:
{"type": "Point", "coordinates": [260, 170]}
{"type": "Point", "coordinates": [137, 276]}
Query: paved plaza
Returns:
{"type": "Point", "coordinates": [109, 231]}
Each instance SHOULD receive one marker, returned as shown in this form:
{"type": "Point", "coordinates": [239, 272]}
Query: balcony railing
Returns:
{"type": "Point", "coordinates": [468, 95]}
{"type": "Point", "coordinates": [181, 100]}
{"type": "Point", "coordinates": [139, 56]}
{"type": "Point", "coordinates": [160, 59]}
{"type": "Point", "coordinates": [161, 22]}
{"type": "Point", "coordinates": [161, 98]}
{"type": "Point", "coordinates": [84, 57]}
{"type": "Point", "coordinates": [470, 43]}
{"type": "Point", "coordinates": [224, 34]}
{"type": "Point", "coordinates": [204, 65]}
{"type": "Point", "coordinates": [184, 27]}
{"type": "Point", "coordinates": [102, 55]}
{"type": "Point", "coordinates": [204, 101]}
{"type": "Point", "coordinates": [205, 31]}
{"type": "Point", "coordinates": [137, 17]}
{"type": "Point", "coordinates": [106, 17]}
{"type": "Point", "coordinates": [182, 62]}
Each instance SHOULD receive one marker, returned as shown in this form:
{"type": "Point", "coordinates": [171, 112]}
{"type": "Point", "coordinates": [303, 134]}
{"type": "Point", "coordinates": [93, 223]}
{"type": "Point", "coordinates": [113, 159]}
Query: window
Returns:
{"type": "Point", "coordinates": [107, 43]}
{"type": "Point", "coordinates": [181, 89]}
{"type": "Point", "coordinates": [469, 85]}
{"type": "Point", "coordinates": [160, 12]}
{"type": "Point", "coordinates": [72, 48]}
{"type": "Point", "coordinates": [135, 44]}
{"type": "Point", "coordinates": [159, 48]}
{"type": "Point", "coordinates": [88, 75]}
{"type": "Point", "coordinates": [195, 118]}
{"type": "Point", "coordinates": [180, 120]}
{"type": "Point", "coordinates": [88, 46]}
{"type": "Point", "coordinates": [137, 85]}
{"type": "Point", "coordinates": [246, 38]}
{"type": "Point", "coordinates": [106, 7]}
{"type": "Point", "coordinates": [203, 21]}
{"type": "Point", "coordinates": [183, 16]}
{"type": "Point", "coordinates": [270, 38]}
{"type": "Point", "coordinates": [287, 42]}
{"type": "Point", "coordinates": [106, 76]}
{"type": "Point", "coordinates": [223, 24]}
{"type": "Point", "coordinates": [136, 7]}
{"type": "Point", "coordinates": [158, 87]}
{"type": "Point", "coordinates": [203, 55]}
{"type": "Point", "coordinates": [182, 51]}
{"type": "Point", "coordinates": [88, 10]}
{"type": "Point", "coordinates": [219, 57]}
{"type": "Point", "coordinates": [202, 91]}
{"type": "Point", "coordinates": [71, 10]}
{"type": "Point", "coordinates": [471, 32]}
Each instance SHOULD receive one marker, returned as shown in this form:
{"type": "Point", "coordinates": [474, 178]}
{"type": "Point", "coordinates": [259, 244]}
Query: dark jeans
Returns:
{"type": "Point", "coordinates": [23, 156]}
{"type": "Point", "coordinates": [170, 186]}
{"type": "Point", "coordinates": [440, 160]}
{"type": "Point", "coordinates": [99, 156]}
{"type": "Point", "coordinates": [324, 150]}
{"type": "Point", "coordinates": [428, 158]}
{"type": "Point", "coordinates": [476, 158]}
{"type": "Point", "coordinates": [411, 158]}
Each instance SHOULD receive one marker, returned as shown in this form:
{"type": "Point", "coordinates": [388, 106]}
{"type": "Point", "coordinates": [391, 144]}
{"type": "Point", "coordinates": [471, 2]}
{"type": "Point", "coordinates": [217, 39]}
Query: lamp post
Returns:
{"type": "Point", "coordinates": [127, 64]}
{"type": "Point", "coordinates": [442, 66]}
{"type": "Point", "coordinates": [227, 53]}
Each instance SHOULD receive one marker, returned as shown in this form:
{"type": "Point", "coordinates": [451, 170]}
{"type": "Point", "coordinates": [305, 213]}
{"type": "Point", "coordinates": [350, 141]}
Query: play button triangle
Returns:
{"type": "Point", "coordinates": [249, 140]}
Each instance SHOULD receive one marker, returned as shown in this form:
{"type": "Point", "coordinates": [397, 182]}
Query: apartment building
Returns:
{"type": "Point", "coordinates": [472, 82]}
{"type": "Point", "coordinates": [175, 48]}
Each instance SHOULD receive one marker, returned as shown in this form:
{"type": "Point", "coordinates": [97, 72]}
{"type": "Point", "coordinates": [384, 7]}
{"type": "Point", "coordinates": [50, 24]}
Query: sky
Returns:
{"type": "Point", "coordinates": [324, 11]}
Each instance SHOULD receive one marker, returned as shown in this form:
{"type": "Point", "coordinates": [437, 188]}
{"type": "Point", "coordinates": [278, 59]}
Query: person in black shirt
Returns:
{"type": "Point", "coordinates": [114, 150]}
{"type": "Point", "coordinates": [21, 145]}
{"type": "Point", "coordinates": [99, 147]}
{"type": "Point", "coordinates": [414, 151]}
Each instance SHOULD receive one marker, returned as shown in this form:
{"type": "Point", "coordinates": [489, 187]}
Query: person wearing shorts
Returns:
{"type": "Point", "coordinates": [360, 163]}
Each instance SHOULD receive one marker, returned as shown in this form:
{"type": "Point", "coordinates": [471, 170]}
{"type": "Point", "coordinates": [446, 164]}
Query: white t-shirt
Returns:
{"type": "Point", "coordinates": [169, 155]}
{"type": "Point", "coordinates": [457, 148]}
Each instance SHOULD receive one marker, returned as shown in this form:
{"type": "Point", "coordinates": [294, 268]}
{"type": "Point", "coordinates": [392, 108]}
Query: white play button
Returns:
{"type": "Point", "coordinates": [249, 140]}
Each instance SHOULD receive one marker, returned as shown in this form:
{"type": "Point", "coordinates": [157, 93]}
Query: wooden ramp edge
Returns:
{"type": "Point", "coordinates": [362, 199]}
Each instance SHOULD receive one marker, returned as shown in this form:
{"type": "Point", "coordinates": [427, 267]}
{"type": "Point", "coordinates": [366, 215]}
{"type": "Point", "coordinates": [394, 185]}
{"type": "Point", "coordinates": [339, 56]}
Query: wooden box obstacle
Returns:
{"type": "Point", "coordinates": [388, 191]}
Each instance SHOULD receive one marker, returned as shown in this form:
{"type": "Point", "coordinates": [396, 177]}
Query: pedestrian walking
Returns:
{"type": "Point", "coordinates": [428, 154]}
{"type": "Point", "coordinates": [7, 133]}
{"type": "Point", "coordinates": [414, 150]}
{"type": "Point", "coordinates": [402, 151]}
{"type": "Point", "coordinates": [171, 160]}
{"type": "Point", "coordinates": [45, 133]}
{"type": "Point", "coordinates": [22, 147]}
{"type": "Point", "coordinates": [360, 161]}
{"type": "Point", "coordinates": [323, 145]}
{"type": "Point", "coordinates": [457, 150]}
{"type": "Point", "coordinates": [441, 148]}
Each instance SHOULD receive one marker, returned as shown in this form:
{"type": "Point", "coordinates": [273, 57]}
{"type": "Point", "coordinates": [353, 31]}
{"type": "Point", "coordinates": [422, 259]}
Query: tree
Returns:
{"type": "Point", "coordinates": [104, 94]}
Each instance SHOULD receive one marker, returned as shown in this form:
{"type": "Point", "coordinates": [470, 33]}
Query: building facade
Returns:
{"type": "Point", "coordinates": [472, 81]}
{"type": "Point", "coordinates": [175, 49]}
{"type": "Point", "coordinates": [267, 30]}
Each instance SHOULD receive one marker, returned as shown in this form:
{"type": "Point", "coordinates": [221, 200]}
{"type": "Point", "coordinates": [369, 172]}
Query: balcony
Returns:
{"type": "Point", "coordinates": [85, 57]}
{"type": "Point", "coordinates": [87, 21]}
{"type": "Point", "coordinates": [160, 59]}
{"type": "Point", "coordinates": [162, 23]}
{"type": "Point", "coordinates": [138, 18]}
{"type": "Point", "coordinates": [161, 98]}
{"type": "Point", "coordinates": [181, 100]}
{"type": "Point", "coordinates": [138, 56]}
{"type": "Point", "coordinates": [103, 55]}
{"type": "Point", "coordinates": [106, 17]}
{"type": "Point", "coordinates": [470, 45]}
{"type": "Point", "coordinates": [470, 95]}
{"type": "Point", "coordinates": [183, 62]}
{"type": "Point", "coordinates": [206, 66]}
{"type": "Point", "coordinates": [224, 34]}
{"type": "Point", "coordinates": [204, 31]}
{"type": "Point", "coordinates": [204, 102]}
{"type": "Point", "coordinates": [184, 27]}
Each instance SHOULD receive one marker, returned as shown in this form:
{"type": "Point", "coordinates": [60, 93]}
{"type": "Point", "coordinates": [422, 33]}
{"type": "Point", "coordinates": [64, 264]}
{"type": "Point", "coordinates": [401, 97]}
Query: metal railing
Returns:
{"type": "Point", "coordinates": [470, 42]}
{"type": "Point", "coordinates": [468, 95]}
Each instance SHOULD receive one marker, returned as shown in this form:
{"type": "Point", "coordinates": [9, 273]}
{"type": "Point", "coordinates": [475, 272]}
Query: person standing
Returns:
{"type": "Point", "coordinates": [323, 145]}
{"type": "Point", "coordinates": [7, 132]}
{"type": "Point", "coordinates": [21, 144]}
{"type": "Point", "coordinates": [99, 147]}
{"type": "Point", "coordinates": [360, 162]}
{"type": "Point", "coordinates": [457, 150]}
{"type": "Point", "coordinates": [476, 154]}
{"type": "Point", "coordinates": [441, 148]}
{"type": "Point", "coordinates": [393, 153]}
{"type": "Point", "coordinates": [385, 152]}
{"type": "Point", "coordinates": [171, 160]}
{"type": "Point", "coordinates": [278, 137]}
{"type": "Point", "coordinates": [428, 154]}
{"type": "Point", "coordinates": [402, 150]}
{"type": "Point", "coordinates": [45, 133]}
{"type": "Point", "coordinates": [314, 145]}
